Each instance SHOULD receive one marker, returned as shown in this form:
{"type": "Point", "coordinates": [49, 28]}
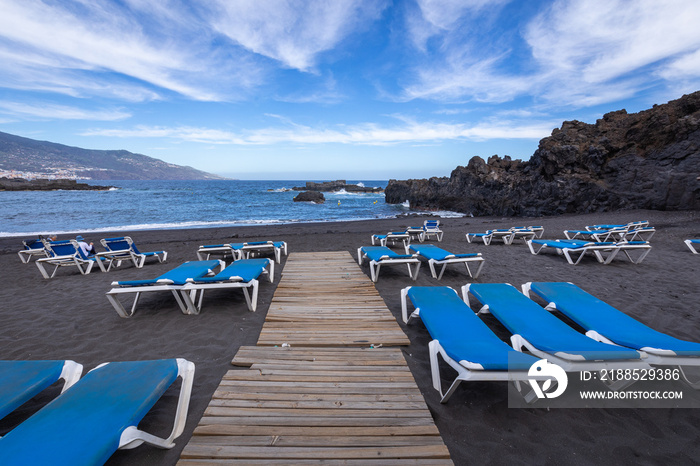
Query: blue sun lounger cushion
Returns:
{"type": "Point", "coordinates": [240, 274]}
{"type": "Point", "coordinates": [438, 256]}
{"type": "Point", "coordinates": [592, 314]}
{"type": "Point", "coordinates": [462, 339]}
{"type": "Point", "coordinates": [539, 330]}
{"type": "Point", "coordinates": [172, 280]}
{"type": "Point", "coordinates": [20, 381]}
{"type": "Point", "coordinates": [98, 415]}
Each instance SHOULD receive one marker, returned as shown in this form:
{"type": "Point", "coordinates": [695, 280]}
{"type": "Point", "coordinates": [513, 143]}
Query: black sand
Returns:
{"type": "Point", "coordinates": [68, 317]}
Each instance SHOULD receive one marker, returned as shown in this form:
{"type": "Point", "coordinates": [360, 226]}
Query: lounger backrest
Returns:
{"type": "Point", "coordinates": [524, 317]}
{"type": "Point", "coordinates": [593, 314]}
{"type": "Point", "coordinates": [64, 247]}
{"type": "Point", "coordinates": [83, 426]}
{"type": "Point", "coordinates": [115, 244]}
{"type": "Point", "coordinates": [33, 244]}
{"type": "Point", "coordinates": [461, 333]}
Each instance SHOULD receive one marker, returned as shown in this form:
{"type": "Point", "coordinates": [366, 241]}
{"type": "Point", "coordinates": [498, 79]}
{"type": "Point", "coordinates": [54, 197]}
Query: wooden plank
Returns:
{"type": "Point", "coordinates": [301, 453]}
{"type": "Point", "coordinates": [342, 431]}
{"type": "Point", "coordinates": [316, 441]}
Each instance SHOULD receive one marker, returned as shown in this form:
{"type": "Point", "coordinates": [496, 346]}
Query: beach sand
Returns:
{"type": "Point", "coordinates": [68, 317]}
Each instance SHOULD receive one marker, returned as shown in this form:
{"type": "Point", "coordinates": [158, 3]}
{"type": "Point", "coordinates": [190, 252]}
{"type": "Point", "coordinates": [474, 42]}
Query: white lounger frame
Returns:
{"type": "Point", "coordinates": [690, 243]}
{"type": "Point", "coordinates": [405, 239]}
{"type": "Point", "coordinates": [163, 285]}
{"type": "Point", "coordinates": [203, 252]}
{"type": "Point", "coordinates": [25, 255]}
{"type": "Point", "coordinates": [374, 266]}
{"type": "Point", "coordinates": [431, 231]}
{"type": "Point", "coordinates": [132, 437]}
{"type": "Point", "coordinates": [456, 260]}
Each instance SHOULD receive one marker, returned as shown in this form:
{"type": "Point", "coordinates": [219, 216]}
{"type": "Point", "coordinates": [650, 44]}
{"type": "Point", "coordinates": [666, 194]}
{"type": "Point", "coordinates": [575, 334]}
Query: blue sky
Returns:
{"type": "Point", "coordinates": [273, 89]}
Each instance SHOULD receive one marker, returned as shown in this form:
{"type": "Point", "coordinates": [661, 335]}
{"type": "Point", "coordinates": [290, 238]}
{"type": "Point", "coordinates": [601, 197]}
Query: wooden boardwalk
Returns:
{"type": "Point", "coordinates": [324, 299]}
{"type": "Point", "coordinates": [312, 404]}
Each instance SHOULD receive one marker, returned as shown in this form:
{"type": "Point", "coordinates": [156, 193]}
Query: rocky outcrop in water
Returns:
{"type": "Point", "coordinates": [310, 196]}
{"type": "Point", "coordinates": [645, 160]}
{"type": "Point", "coordinates": [20, 184]}
{"type": "Point", "coordinates": [337, 185]}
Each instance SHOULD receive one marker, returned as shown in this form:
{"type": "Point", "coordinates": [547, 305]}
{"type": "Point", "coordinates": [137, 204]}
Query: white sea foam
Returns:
{"type": "Point", "coordinates": [449, 214]}
{"type": "Point", "coordinates": [185, 226]}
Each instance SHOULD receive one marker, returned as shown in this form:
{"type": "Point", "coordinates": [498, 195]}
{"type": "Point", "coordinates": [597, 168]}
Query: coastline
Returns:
{"type": "Point", "coordinates": [68, 317]}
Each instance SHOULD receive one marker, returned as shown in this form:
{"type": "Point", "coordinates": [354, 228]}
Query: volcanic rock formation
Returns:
{"type": "Point", "coordinates": [645, 160]}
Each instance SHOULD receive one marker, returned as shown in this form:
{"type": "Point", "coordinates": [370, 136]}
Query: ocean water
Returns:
{"type": "Point", "coordinates": [147, 205]}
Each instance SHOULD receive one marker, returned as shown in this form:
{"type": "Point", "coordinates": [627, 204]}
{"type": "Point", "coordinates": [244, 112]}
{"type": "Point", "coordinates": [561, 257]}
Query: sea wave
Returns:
{"type": "Point", "coordinates": [343, 192]}
{"type": "Point", "coordinates": [185, 225]}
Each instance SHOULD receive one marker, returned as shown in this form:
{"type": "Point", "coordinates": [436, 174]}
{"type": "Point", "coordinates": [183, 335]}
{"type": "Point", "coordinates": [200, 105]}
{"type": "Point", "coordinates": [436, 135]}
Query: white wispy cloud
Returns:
{"type": "Point", "coordinates": [293, 32]}
{"type": "Point", "coordinates": [580, 53]}
{"type": "Point", "coordinates": [408, 131]}
{"type": "Point", "coordinates": [60, 112]}
{"type": "Point", "coordinates": [164, 45]}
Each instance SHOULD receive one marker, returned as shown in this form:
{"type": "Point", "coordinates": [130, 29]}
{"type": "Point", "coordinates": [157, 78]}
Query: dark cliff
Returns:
{"type": "Point", "coordinates": [645, 160]}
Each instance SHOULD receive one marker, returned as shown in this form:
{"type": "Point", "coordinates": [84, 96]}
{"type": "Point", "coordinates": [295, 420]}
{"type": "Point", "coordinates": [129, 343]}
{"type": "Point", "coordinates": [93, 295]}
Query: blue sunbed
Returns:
{"type": "Point", "coordinates": [462, 339]}
{"type": "Point", "coordinates": [32, 247]}
{"type": "Point", "coordinates": [242, 274]}
{"type": "Point", "coordinates": [67, 253]}
{"type": "Point", "coordinates": [243, 250]}
{"type": "Point", "coordinates": [123, 248]}
{"type": "Point", "coordinates": [98, 415]}
{"type": "Point", "coordinates": [381, 255]}
{"type": "Point", "coordinates": [692, 243]}
{"type": "Point", "coordinates": [393, 237]}
{"type": "Point", "coordinates": [256, 247]}
{"type": "Point", "coordinates": [172, 281]}
{"type": "Point", "coordinates": [438, 256]}
{"type": "Point", "coordinates": [605, 323]}
{"type": "Point", "coordinates": [545, 335]}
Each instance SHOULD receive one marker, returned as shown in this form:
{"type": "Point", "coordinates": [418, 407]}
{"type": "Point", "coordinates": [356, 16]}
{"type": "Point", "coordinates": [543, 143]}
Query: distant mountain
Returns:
{"type": "Point", "coordinates": [42, 157]}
